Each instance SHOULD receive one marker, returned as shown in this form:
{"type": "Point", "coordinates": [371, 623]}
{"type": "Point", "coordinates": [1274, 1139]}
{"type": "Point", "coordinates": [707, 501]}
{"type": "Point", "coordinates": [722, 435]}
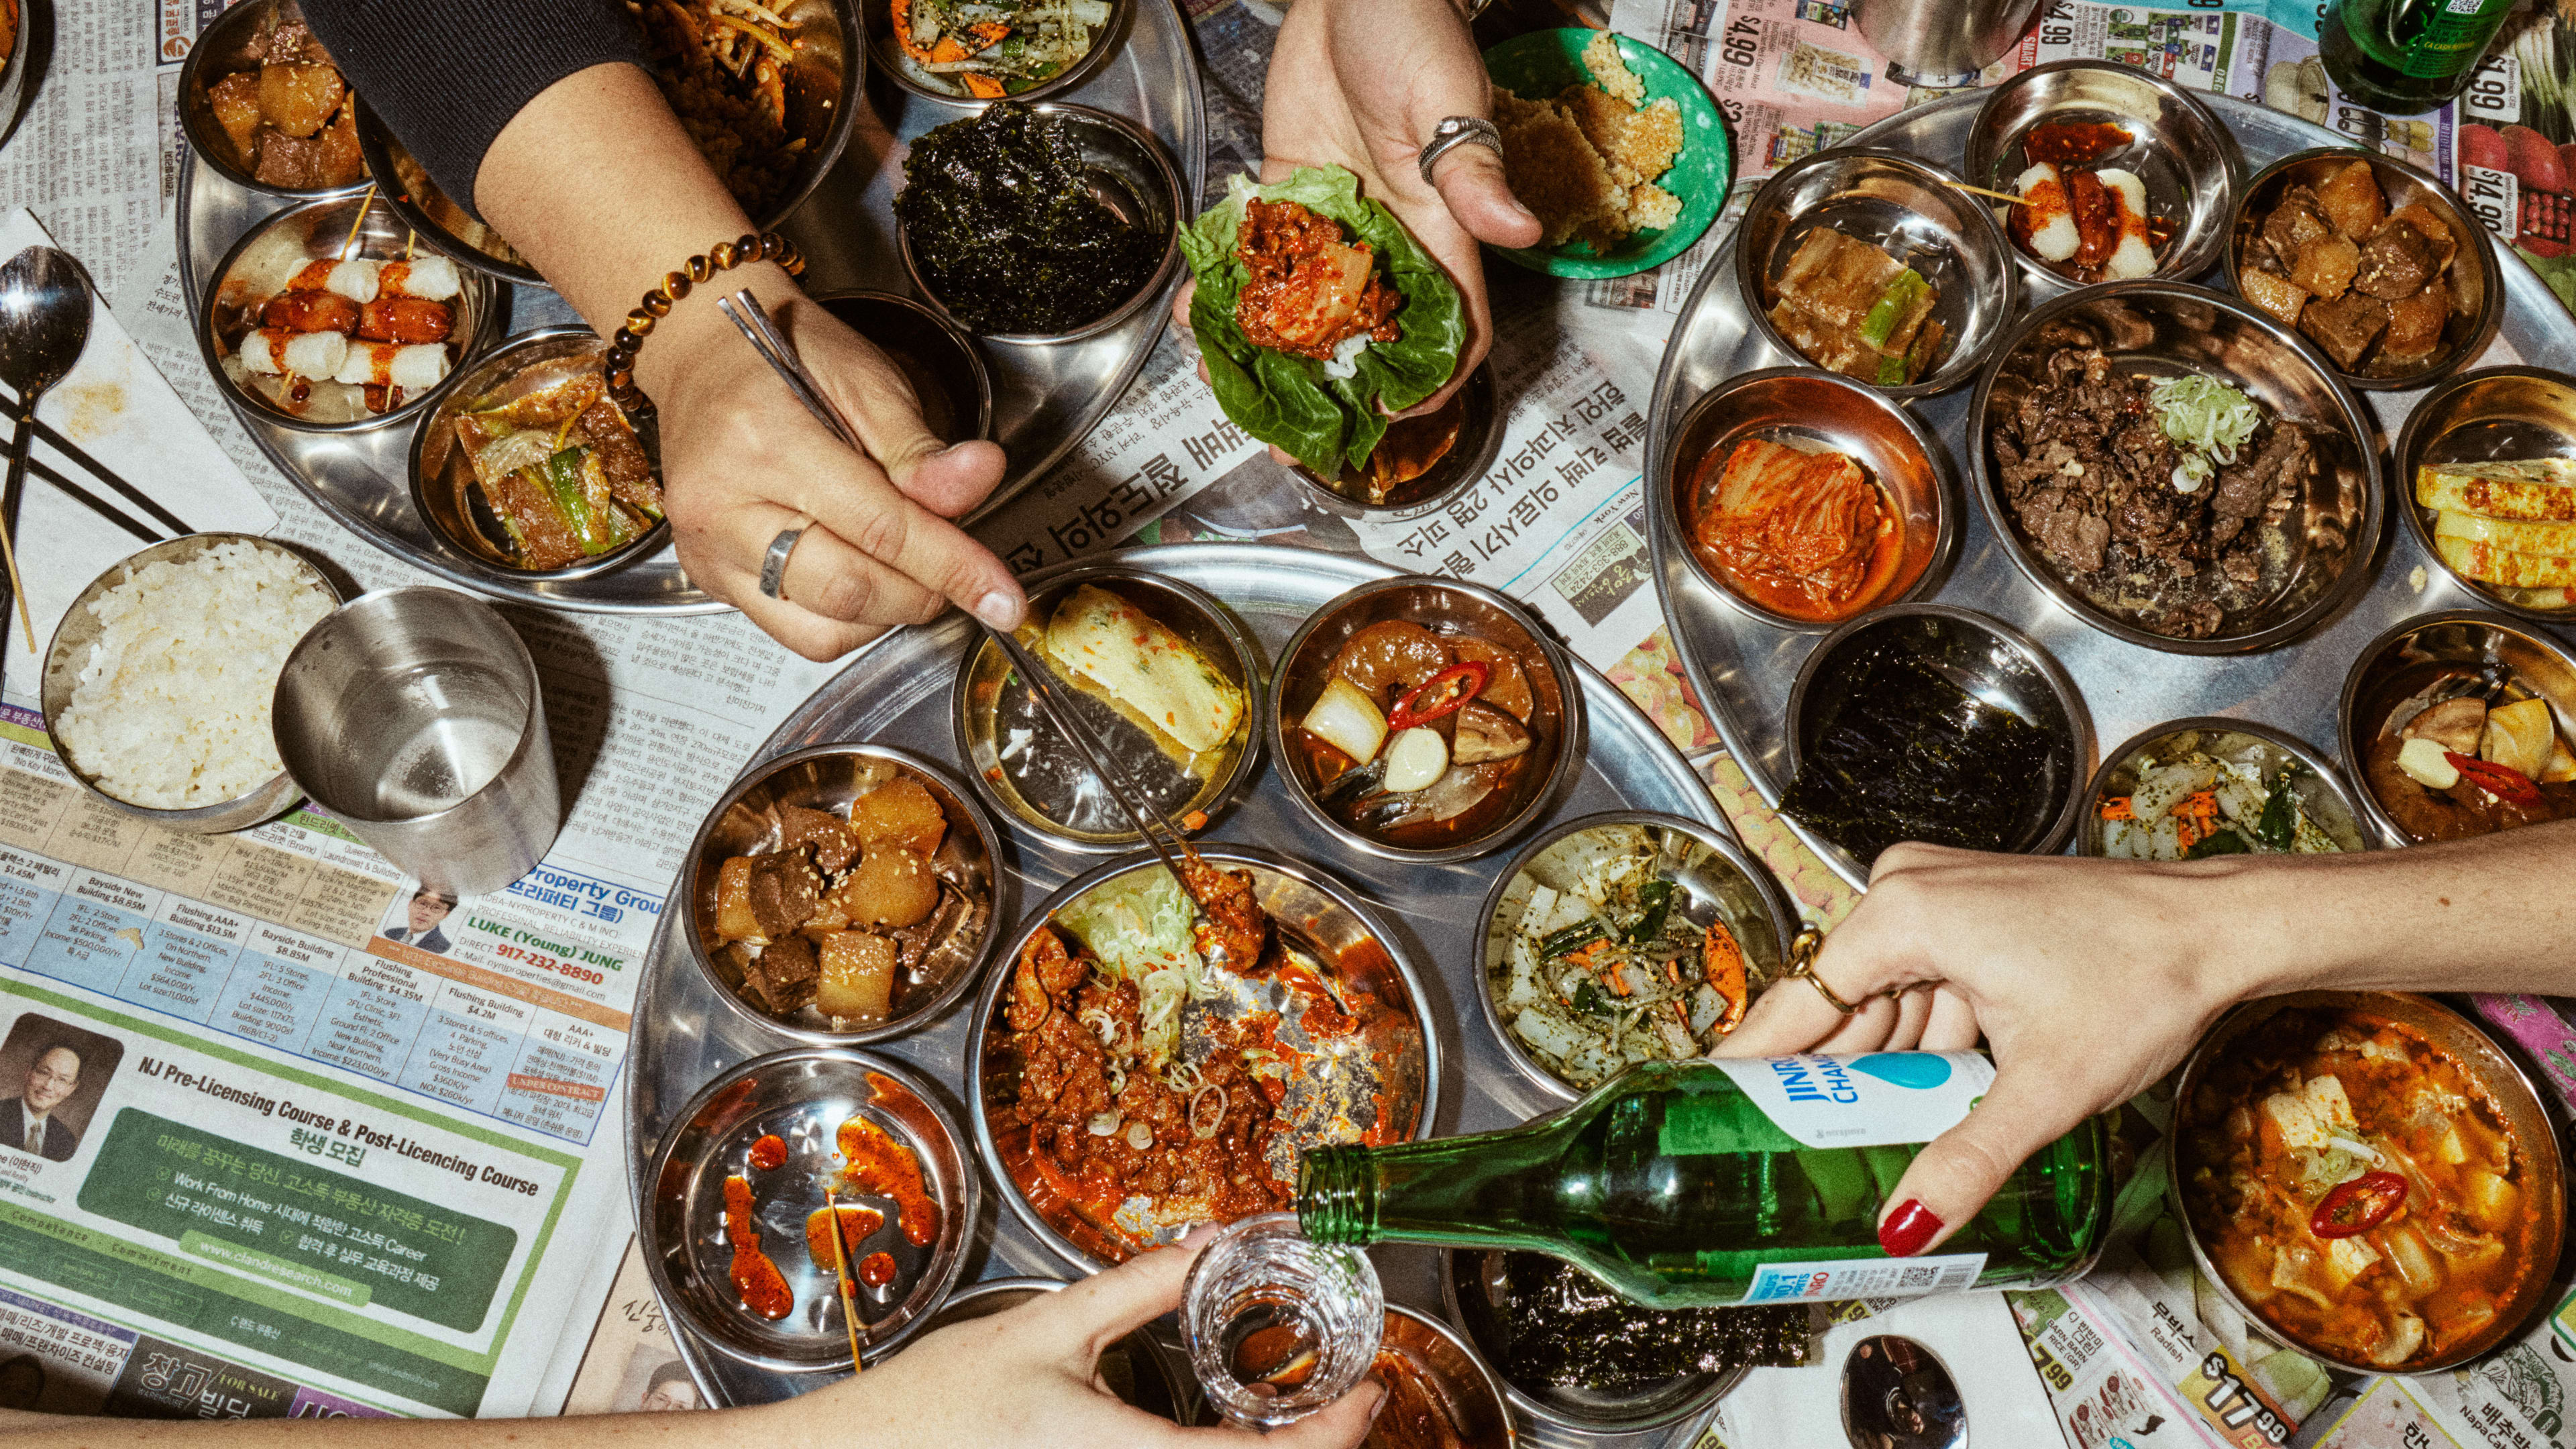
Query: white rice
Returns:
{"type": "Point", "coordinates": [172, 710]}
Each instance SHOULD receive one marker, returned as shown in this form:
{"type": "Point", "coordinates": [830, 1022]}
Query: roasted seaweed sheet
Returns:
{"type": "Point", "coordinates": [1562, 1327]}
{"type": "Point", "coordinates": [1910, 755]}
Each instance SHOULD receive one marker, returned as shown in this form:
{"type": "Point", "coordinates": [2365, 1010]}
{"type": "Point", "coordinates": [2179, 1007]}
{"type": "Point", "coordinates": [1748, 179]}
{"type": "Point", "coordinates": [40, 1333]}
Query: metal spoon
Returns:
{"type": "Point", "coordinates": [44, 324]}
{"type": "Point", "coordinates": [1897, 1394]}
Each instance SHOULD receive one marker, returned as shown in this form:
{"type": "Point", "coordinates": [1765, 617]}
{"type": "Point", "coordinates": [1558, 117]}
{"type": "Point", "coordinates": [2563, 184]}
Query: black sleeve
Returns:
{"type": "Point", "coordinates": [446, 76]}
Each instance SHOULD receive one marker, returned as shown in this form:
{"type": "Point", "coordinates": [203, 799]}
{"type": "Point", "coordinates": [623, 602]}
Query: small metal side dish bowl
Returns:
{"type": "Point", "coordinates": [2506, 1085]}
{"type": "Point", "coordinates": [1757, 912]}
{"type": "Point", "coordinates": [1807, 405]}
{"type": "Point", "coordinates": [1556, 751]}
{"type": "Point", "coordinates": [1470, 454]}
{"type": "Point", "coordinates": [452, 500]}
{"type": "Point", "coordinates": [68, 654]}
{"type": "Point", "coordinates": [2183, 155]}
{"type": "Point", "coordinates": [2476, 277]}
{"type": "Point", "coordinates": [803, 1096]}
{"type": "Point", "coordinates": [2492, 414]}
{"type": "Point", "coordinates": [1392, 1066]}
{"type": "Point", "coordinates": [1027, 773]}
{"type": "Point", "coordinates": [2150, 328]}
{"type": "Point", "coordinates": [2321, 789]}
{"type": "Point", "coordinates": [222, 49]}
{"type": "Point", "coordinates": [407, 190]}
{"type": "Point", "coordinates": [258, 267]}
{"type": "Point", "coordinates": [1137, 1368]}
{"type": "Point", "coordinates": [828, 778]}
{"type": "Point", "coordinates": [1126, 170]}
{"type": "Point", "coordinates": [1464, 1388]}
{"type": "Point", "coordinates": [938, 357]}
{"type": "Point", "coordinates": [1471, 1286]}
{"type": "Point", "coordinates": [1990, 660]}
{"type": "Point", "coordinates": [887, 55]}
{"type": "Point", "coordinates": [2400, 663]}
{"type": "Point", "coordinates": [1906, 207]}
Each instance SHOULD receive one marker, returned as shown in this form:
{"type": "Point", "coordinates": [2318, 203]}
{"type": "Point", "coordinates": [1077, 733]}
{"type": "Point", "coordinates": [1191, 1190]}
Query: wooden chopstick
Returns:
{"type": "Point", "coordinates": [1997, 195]}
{"type": "Point", "coordinates": [849, 1290]}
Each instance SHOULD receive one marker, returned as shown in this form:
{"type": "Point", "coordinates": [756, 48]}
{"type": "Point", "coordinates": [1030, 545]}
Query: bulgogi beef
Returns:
{"type": "Point", "coordinates": [2089, 476]}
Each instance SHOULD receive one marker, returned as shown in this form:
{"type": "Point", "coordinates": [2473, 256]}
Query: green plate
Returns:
{"type": "Point", "coordinates": [1539, 65]}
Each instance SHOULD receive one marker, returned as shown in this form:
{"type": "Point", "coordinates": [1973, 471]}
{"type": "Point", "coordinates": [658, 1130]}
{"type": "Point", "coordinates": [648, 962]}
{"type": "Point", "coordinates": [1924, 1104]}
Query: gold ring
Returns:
{"type": "Point", "coordinates": [1802, 966]}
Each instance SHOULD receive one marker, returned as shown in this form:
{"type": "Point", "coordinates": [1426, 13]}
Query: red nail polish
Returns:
{"type": "Point", "coordinates": [1908, 1229]}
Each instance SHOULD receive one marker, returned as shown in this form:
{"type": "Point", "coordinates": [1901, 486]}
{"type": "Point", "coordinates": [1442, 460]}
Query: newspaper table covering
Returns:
{"type": "Point", "coordinates": [336, 1155]}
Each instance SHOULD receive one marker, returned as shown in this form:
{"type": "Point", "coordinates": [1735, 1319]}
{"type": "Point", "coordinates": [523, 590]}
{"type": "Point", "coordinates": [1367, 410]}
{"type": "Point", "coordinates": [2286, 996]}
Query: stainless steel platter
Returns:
{"type": "Point", "coordinates": [1046, 396]}
{"type": "Point", "coordinates": [1743, 669]}
{"type": "Point", "coordinates": [897, 692]}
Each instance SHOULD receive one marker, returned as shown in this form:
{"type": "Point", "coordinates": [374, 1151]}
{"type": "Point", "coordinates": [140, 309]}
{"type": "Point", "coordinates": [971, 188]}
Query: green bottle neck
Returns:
{"type": "Point", "coordinates": [1494, 1189]}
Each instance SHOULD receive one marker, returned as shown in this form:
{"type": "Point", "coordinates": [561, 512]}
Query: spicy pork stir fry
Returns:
{"type": "Point", "coordinates": [2197, 802]}
{"type": "Point", "coordinates": [1418, 736]}
{"type": "Point", "coordinates": [1605, 968]}
{"type": "Point", "coordinates": [2357, 1186]}
{"type": "Point", "coordinates": [841, 914]}
{"type": "Point", "coordinates": [2367, 284]}
{"type": "Point", "coordinates": [1853, 309]}
{"type": "Point", "coordinates": [724, 67]}
{"type": "Point", "coordinates": [562, 471]}
{"type": "Point", "coordinates": [2109, 479]}
{"type": "Point", "coordinates": [293, 121]}
{"type": "Point", "coordinates": [1311, 293]}
{"type": "Point", "coordinates": [994, 48]}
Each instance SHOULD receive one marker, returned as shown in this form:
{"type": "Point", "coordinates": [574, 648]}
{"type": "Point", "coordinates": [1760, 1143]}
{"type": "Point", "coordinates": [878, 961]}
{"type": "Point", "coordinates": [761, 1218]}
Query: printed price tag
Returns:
{"type": "Point", "coordinates": [2494, 95]}
{"type": "Point", "coordinates": [2496, 199]}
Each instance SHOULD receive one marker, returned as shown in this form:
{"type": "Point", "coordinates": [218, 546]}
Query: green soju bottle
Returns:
{"type": "Point", "coordinates": [2404, 57]}
{"type": "Point", "coordinates": [1701, 1183]}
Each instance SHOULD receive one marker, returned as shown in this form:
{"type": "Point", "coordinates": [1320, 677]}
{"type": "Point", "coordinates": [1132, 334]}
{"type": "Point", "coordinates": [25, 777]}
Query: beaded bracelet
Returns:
{"type": "Point", "coordinates": [769, 246]}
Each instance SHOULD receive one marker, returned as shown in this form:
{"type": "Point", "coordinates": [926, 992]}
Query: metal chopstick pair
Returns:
{"type": "Point", "coordinates": [46, 434]}
{"type": "Point", "coordinates": [1170, 845]}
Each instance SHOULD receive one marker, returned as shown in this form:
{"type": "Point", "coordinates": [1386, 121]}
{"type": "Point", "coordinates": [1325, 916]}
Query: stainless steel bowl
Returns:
{"type": "Point", "coordinates": [2476, 275]}
{"type": "Point", "coordinates": [938, 357]}
{"type": "Point", "coordinates": [828, 778]}
{"type": "Point", "coordinates": [1465, 1388]}
{"type": "Point", "coordinates": [1906, 207]}
{"type": "Point", "coordinates": [1909, 466]}
{"type": "Point", "coordinates": [890, 61]}
{"type": "Point", "coordinates": [1137, 1368]}
{"type": "Point", "coordinates": [2189, 163]}
{"type": "Point", "coordinates": [1470, 1286]}
{"type": "Point", "coordinates": [1760, 915]}
{"type": "Point", "coordinates": [2152, 328]}
{"type": "Point", "coordinates": [68, 654]}
{"type": "Point", "coordinates": [1127, 170]}
{"type": "Point", "coordinates": [1470, 455]}
{"type": "Point", "coordinates": [1556, 752]}
{"type": "Point", "coordinates": [451, 499]}
{"type": "Point", "coordinates": [822, 103]}
{"type": "Point", "coordinates": [1025, 772]}
{"type": "Point", "coordinates": [2492, 413]}
{"type": "Point", "coordinates": [2506, 1084]}
{"type": "Point", "coordinates": [1396, 1066]}
{"type": "Point", "coordinates": [257, 268]}
{"type": "Point", "coordinates": [2399, 663]}
{"type": "Point", "coordinates": [223, 48]}
{"type": "Point", "coordinates": [2321, 791]}
{"type": "Point", "coordinates": [1992, 661]}
{"type": "Point", "coordinates": [803, 1096]}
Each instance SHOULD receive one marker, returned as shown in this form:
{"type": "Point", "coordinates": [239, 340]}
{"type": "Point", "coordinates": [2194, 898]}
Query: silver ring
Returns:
{"type": "Point", "coordinates": [1456, 131]}
{"type": "Point", "coordinates": [773, 565]}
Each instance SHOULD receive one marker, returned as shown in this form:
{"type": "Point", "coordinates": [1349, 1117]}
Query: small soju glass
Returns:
{"type": "Point", "coordinates": [1279, 1326]}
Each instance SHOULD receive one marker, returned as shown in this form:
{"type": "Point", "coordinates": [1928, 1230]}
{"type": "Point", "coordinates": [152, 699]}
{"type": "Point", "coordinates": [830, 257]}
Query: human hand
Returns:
{"type": "Point", "coordinates": [1029, 1377]}
{"type": "Point", "coordinates": [1360, 84]}
{"type": "Point", "coordinates": [2089, 980]}
{"type": "Point", "coordinates": [742, 460]}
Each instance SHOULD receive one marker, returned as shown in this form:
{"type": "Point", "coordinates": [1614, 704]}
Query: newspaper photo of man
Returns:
{"type": "Point", "coordinates": [421, 919]}
{"type": "Point", "coordinates": [60, 1072]}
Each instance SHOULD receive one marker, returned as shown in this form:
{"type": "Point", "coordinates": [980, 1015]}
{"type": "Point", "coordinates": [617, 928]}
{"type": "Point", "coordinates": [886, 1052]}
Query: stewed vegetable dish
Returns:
{"type": "Point", "coordinates": [2358, 1187]}
{"type": "Point", "coordinates": [1418, 737]}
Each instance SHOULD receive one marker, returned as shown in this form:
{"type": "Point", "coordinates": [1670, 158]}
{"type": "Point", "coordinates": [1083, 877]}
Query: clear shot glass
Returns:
{"type": "Point", "coordinates": [1277, 1326]}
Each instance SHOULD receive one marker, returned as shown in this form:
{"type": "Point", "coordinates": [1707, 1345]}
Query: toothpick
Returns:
{"type": "Point", "coordinates": [841, 1264]}
{"type": "Point", "coordinates": [410, 239]}
{"type": "Point", "coordinates": [9, 555]}
{"type": "Point", "coordinates": [1997, 195]}
{"type": "Point", "coordinates": [364, 202]}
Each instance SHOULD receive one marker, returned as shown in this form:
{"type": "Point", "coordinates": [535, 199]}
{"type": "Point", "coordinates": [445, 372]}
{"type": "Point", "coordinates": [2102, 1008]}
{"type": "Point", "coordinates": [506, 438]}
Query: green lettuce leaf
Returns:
{"type": "Point", "coordinates": [1287, 401]}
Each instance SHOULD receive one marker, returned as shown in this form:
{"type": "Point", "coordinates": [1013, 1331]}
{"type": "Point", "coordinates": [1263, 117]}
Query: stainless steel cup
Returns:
{"type": "Point", "coordinates": [413, 716]}
{"type": "Point", "coordinates": [1941, 42]}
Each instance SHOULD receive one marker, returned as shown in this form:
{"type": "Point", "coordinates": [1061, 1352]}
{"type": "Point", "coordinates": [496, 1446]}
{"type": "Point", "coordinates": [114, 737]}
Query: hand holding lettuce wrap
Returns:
{"type": "Point", "coordinates": [1327, 411]}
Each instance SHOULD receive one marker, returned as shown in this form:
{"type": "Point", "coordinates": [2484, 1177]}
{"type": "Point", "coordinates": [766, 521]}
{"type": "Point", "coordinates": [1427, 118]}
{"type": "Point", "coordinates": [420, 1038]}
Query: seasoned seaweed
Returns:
{"type": "Point", "coordinates": [1562, 1327]}
{"type": "Point", "coordinates": [1003, 225]}
{"type": "Point", "coordinates": [1910, 755]}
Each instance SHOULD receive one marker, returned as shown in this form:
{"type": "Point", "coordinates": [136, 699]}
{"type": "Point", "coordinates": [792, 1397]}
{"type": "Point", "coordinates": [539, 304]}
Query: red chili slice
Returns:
{"type": "Point", "coordinates": [1439, 695]}
{"type": "Point", "coordinates": [2502, 781]}
{"type": "Point", "coordinates": [2358, 1206]}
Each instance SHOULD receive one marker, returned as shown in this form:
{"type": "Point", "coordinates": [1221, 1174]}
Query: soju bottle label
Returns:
{"type": "Point", "coordinates": [1876, 1100]}
{"type": "Point", "coordinates": [1832, 1282]}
